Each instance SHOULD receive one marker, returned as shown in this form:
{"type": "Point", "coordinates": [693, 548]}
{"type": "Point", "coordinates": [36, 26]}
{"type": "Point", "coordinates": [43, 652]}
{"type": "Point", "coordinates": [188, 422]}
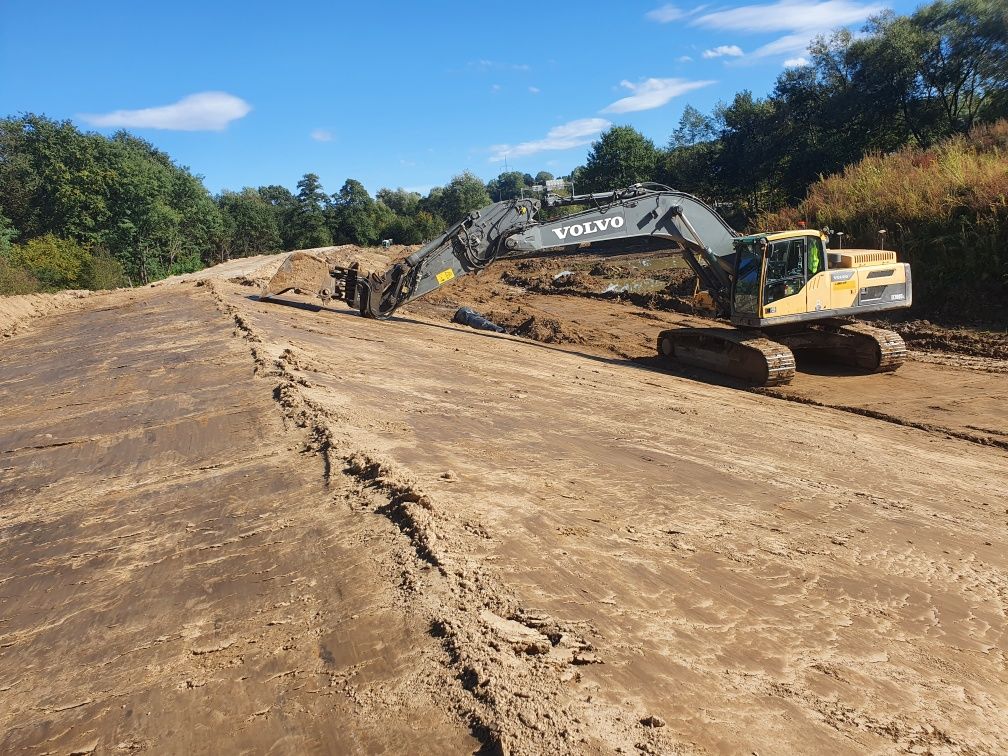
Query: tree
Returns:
{"type": "Point", "coordinates": [433, 202]}
{"type": "Point", "coordinates": [543, 176]}
{"type": "Point", "coordinates": [351, 217]}
{"type": "Point", "coordinates": [507, 186]}
{"type": "Point", "coordinates": [464, 193]}
{"type": "Point", "coordinates": [400, 201]}
{"type": "Point", "coordinates": [747, 163]}
{"type": "Point", "coordinates": [252, 227]}
{"type": "Point", "coordinates": [284, 206]}
{"type": "Point", "coordinates": [622, 156]}
{"type": "Point", "coordinates": [693, 127]}
{"type": "Point", "coordinates": [308, 224]}
{"type": "Point", "coordinates": [7, 234]}
{"type": "Point", "coordinates": [945, 66]}
{"type": "Point", "coordinates": [102, 271]}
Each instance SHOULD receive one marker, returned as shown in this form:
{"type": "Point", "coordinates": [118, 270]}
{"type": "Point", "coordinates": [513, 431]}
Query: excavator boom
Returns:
{"type": "Point", "coordinates": [510, 228]}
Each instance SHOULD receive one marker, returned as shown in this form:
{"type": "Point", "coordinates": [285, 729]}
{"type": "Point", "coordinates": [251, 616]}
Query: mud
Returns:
{"type": "Point", "coordinates": [240, 525]}
{"type": "Point", "coordinates": [922, 335]}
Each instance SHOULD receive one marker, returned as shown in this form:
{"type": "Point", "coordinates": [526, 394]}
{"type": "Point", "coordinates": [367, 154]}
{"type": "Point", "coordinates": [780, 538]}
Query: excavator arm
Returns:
{"type": "Point", "coordinates": [511, 228]}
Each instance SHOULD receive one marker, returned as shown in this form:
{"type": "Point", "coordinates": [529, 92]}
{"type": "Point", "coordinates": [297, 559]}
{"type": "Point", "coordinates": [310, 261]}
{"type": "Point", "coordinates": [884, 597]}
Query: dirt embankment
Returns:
{"type": "Point", "coordinates": [20, 310]}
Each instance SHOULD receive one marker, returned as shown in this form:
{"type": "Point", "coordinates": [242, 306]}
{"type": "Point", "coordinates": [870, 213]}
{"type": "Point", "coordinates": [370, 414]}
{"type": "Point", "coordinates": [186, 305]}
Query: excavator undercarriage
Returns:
{"type": "Point", "coordinates": [767, 357]}
{"type": "Point", "coordinates": [785, 293]}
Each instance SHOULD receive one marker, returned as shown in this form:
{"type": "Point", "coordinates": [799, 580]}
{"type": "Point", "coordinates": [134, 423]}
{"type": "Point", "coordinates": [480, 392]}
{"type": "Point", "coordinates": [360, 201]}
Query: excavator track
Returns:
{"type": "Point", "coordinates": [747, 355]}
{"type": "Point", "coordinates": [857, 345]}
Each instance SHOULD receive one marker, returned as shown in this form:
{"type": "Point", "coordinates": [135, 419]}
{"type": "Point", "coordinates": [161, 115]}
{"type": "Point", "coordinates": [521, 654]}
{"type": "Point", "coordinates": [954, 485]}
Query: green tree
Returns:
{"type": "Point", "coordinates": [16, 280]}
{"type": "Point", "coordinates": [507, 186]}
{"type": "Point", "coordinates": [694, 127]}
{"type": "Point", "coordinates": [284, 205]}
{"type": "Point", "coordinates": [433, 203]}
{"type": "Point", "coordinates": [7, 234]}
{"type": "Point", "coordinates": [401, 230]}
{"type": "Point", "coordinates": [543, 176]}
{"type": "Point", "coordinates": [253, 227]}
{"type": "Point", "coordinates": [400, 201]}
{"type": "Point", "coordinates": [428, 225]}
{"type": "Point", "coordinates": [747, 161]}
{"type": "Point", "coordinates": [465, 193]}
{"type": "Point", "coordinates": [351, 215]}
{"type": "Point", "coordinates": [308, 225]}
{"type": "Point", "coordinates": [622, 156]}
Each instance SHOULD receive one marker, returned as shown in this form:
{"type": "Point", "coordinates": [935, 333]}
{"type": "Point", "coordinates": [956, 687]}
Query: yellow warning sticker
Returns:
{"type": "Point", "coordinates": [445, 276]}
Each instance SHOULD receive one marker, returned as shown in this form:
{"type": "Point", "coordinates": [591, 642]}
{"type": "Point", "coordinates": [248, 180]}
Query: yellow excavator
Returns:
{"type": "Point", "coordinates": [783, 292]}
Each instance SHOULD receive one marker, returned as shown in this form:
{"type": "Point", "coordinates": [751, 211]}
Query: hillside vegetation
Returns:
{"type": "Point", "coordinates": [944, 208]}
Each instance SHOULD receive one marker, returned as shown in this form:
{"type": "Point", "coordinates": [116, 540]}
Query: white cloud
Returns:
{"type": "Point", "coordinates": [564, 137]}
{"type": "Point", "coordinates": [732, 51]}
{"type": "Point", "coordinates": [652, 93]}
{"type": "Point", "coordinates": [788, 15]}
{"type": "Point", "coordinates": [205, 111]}
{"type": "Point", "coordinates": [665, 14]}
{"type": "Point", "coordinates": [497, 65]}
{"type": "Point", "coordinates": [795, 62]}
{"type": "Point", "coordinates": [534, 90]}
{"type": "Point", "coordinates": [321, 135]}
{"type": "Point", "coordinates": [684, 59]}
{"type": "Point", "coordinates": [802, 21]}
{"type": "Point", "coordinates": [789, 43]}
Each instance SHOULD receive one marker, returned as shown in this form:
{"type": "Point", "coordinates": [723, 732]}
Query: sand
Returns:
{"type": "Point", "coordinates": [228, 525]}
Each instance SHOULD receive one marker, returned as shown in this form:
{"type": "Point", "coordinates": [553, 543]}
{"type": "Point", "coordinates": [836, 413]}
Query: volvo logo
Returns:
{"type": "Point", "coordinates": [591, 227]}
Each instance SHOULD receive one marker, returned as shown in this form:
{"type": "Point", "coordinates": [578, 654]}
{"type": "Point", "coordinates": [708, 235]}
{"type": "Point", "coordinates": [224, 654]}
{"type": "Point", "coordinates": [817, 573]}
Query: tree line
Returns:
{"type": "Point", "coordinates": [84, 210]}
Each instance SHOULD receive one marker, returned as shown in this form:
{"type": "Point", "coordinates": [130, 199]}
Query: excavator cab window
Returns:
{"type": "Point", "coordinates": [785, 269]}
{"type": "Point", "coordinates": [747, 276]}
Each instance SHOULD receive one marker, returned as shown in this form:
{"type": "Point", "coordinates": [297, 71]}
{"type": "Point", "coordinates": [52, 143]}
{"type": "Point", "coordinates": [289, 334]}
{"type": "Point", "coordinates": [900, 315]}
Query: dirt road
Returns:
{"type": "Point", "coordinates": [287, 529]}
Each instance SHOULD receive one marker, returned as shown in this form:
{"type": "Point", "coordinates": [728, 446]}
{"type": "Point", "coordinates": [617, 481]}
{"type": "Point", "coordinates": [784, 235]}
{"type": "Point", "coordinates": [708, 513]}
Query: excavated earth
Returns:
{"type": "Point", "coordinates": [232, 525]}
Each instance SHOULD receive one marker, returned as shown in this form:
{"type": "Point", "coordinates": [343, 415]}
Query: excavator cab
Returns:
{"type": "Point", "coordinates": [792, 277]}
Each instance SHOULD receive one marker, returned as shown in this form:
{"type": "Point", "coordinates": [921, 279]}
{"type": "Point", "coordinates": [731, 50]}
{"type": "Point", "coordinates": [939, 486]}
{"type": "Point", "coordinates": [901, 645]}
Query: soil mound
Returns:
{"type": "Point", "coordinates": [547, 330]}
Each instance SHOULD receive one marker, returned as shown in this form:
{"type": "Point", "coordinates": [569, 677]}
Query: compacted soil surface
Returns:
{"type": "Point", "coordinates": [236, 525]}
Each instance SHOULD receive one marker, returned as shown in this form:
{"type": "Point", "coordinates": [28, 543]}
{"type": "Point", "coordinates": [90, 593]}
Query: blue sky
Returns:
{"type": "Point", "coordinates": [393, 94]}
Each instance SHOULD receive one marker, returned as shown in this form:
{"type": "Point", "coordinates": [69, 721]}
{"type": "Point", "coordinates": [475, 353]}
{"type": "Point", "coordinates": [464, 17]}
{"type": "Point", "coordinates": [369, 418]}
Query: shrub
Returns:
{"type": "Point", "coordinates": [54, 262]}
{"type": "Point", "coordinates": [15, 279]}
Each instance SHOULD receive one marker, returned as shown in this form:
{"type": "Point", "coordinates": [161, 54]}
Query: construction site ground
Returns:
{"type": "Point", "coordinates": [232, 525]}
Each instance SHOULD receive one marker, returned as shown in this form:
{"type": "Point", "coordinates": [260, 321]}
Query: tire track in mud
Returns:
{"type": "Point", "coordinates": [506, 666]}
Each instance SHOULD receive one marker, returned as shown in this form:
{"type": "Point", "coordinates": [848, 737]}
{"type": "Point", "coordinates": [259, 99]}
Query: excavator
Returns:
{"type": "Point", "coordinates": [782, 292]}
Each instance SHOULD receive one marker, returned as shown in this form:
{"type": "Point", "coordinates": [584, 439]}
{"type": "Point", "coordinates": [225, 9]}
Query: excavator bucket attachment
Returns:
{"type": "Point", "coordinates": [300, 272]}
